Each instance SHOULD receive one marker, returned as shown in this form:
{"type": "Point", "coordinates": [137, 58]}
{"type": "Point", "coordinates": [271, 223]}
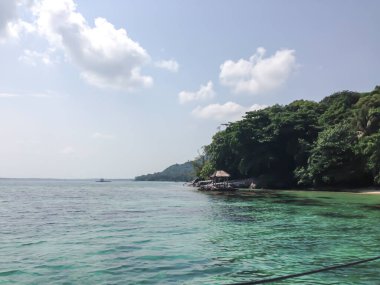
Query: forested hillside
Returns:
{"type": "Point", "coordinates": [333, 143]}
{"type": "Point", "coordinates": [176, 172]}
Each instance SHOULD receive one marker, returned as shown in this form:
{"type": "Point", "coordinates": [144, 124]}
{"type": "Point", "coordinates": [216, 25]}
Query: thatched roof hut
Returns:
{"type": "Point", "coordinates": [220, 174]}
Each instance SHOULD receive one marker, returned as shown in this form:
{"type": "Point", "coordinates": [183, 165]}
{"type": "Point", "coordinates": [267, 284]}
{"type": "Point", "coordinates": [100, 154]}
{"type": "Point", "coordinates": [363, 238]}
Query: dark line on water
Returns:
{"type": "Point", "coordinates": [280, 278]}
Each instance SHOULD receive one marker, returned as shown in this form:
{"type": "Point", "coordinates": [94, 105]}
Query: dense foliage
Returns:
{"type": "Point", "coordinates": [333, 143]}
{"type": "Point", "coordinates": [176, 172]}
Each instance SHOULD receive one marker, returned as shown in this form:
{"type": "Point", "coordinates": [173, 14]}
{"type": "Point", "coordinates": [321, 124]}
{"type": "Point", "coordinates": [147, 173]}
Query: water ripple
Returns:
{"type": "Point", "coordinates": [80, 232]}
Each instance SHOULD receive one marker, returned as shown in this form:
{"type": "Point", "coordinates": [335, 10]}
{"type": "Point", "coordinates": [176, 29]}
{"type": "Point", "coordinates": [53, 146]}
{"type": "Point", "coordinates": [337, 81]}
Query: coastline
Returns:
{"type": "Point", "coordinates": [376, 192]}
{"type": "Point", "coordinates": [359, 191]}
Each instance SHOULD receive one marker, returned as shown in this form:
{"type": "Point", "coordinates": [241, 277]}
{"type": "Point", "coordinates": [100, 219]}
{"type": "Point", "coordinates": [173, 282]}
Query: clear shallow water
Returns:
{"type": "Point", "coordinates": [82, 232]}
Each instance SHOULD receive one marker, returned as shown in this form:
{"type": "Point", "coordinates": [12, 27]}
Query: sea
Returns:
{"type": "Point", "coordinates": [127, 232]}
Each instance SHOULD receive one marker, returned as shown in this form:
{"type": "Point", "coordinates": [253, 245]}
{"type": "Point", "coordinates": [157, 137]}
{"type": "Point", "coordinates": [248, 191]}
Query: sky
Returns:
{"type": "Point", "coordinates": [120, 88]}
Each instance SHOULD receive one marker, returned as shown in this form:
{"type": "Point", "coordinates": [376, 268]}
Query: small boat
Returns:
{"type": "Point", "coordinates": [103, 180]}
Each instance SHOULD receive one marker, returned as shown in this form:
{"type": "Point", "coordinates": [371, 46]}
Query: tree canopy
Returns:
{"type": "Point", "coordinates": [331, 143]}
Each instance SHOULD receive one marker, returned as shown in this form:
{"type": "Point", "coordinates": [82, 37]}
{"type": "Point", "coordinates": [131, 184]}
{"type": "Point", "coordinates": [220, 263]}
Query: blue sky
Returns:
{"type": "Point", "coordinates": [120, 88]}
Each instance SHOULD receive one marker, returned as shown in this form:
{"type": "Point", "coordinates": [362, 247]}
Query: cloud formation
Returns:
{"type": "Point", "coordinates": [106, 56]}
{"type": "Point", "coordinates": [205, 92]}
{"type": "Point", "coordinates": [8, 14]}
{"type": "Point", "coordinates": [10, 23]}
{"type": "Point", "coordinates": [258, 74]}
{"type": "Point", "coordinates": [32, 57]}
{"type": "Point", "coordinates": [8, 95]}
{"type": "Point", "coordinates": [222, 112]}
{"type": "Point", "coordinates": [47, 94]}
{"type": "Point", "coordinates": [170, 65]}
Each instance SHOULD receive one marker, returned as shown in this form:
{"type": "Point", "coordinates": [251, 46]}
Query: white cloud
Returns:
{"type": "Point", "coordinates": [8, 17]}
{"type": "Point", "coordinates": [258, 74]}
{"type": "Point", "coordinates": [205, 92]}
{"type": "Point", "coordinates": [10, 23]}
{"type": "Point", "coordinates": [33, 57]}
{"type": "Point", "coordinates": [229, 111]}
{"type": "Point", "coordinates": [102, 136]}
{"type": "Point", "coordinates": [256, 107]}
{"type": "Point", "coordinates": [47, 94]}
{"type": "Point", "coordinates": [170, 65]}
{"type": "Point", "coordinates": [42, 95]}
{"type": "Point", "coordinates": [106, 56]}
{"type": "Point", "coordinates": [8, 95]}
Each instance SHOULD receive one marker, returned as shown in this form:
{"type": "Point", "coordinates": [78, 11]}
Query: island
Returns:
{"type": "Point", "coordinates": [177, 172]}
{"type": "Point", "coordinates": [334, 143]}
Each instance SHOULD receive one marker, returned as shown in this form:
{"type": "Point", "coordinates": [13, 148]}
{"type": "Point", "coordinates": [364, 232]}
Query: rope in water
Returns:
{"type": "Point", "coordinates": [280, 278]}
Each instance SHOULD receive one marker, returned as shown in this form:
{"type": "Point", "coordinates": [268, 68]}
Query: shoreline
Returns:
{"type": "Point", "coordinates": [245, 185]}
{"type": "Point", "coordinates": [377, 192]}
{"type": "Point", "coordinates": [359, 191]}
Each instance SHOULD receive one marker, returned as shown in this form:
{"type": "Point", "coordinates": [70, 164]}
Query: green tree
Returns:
{"type": "Point", "coordinates": [370, 149]}
{"type": "Point", "coordinates": [338, 107]}
{"type": "Point", "coordinates": [331, 143]}
{"type": "Point", "coordinates": [207, 170]}
{"type": "Point", "coordinates": [333, 160]}
{"type": "Point", "coordinates": [269, 143]}
{"type": "Point", "coordinates": [367, 113]}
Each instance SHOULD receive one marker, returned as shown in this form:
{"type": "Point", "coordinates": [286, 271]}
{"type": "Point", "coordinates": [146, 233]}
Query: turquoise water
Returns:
{"type": "Point", "coordinates": [82, 232]}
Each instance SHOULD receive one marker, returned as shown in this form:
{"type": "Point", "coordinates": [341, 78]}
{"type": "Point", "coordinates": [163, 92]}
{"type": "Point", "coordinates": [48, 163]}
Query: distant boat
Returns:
{"type": "Point", "coordinates": [103, 180]}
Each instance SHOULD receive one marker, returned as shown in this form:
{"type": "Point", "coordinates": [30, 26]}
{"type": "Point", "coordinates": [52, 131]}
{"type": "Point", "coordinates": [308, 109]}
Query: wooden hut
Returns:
{"type": "Point", "coordinates": [219, 182]}
{"type": "Point", "coordinates": [220, 177]}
